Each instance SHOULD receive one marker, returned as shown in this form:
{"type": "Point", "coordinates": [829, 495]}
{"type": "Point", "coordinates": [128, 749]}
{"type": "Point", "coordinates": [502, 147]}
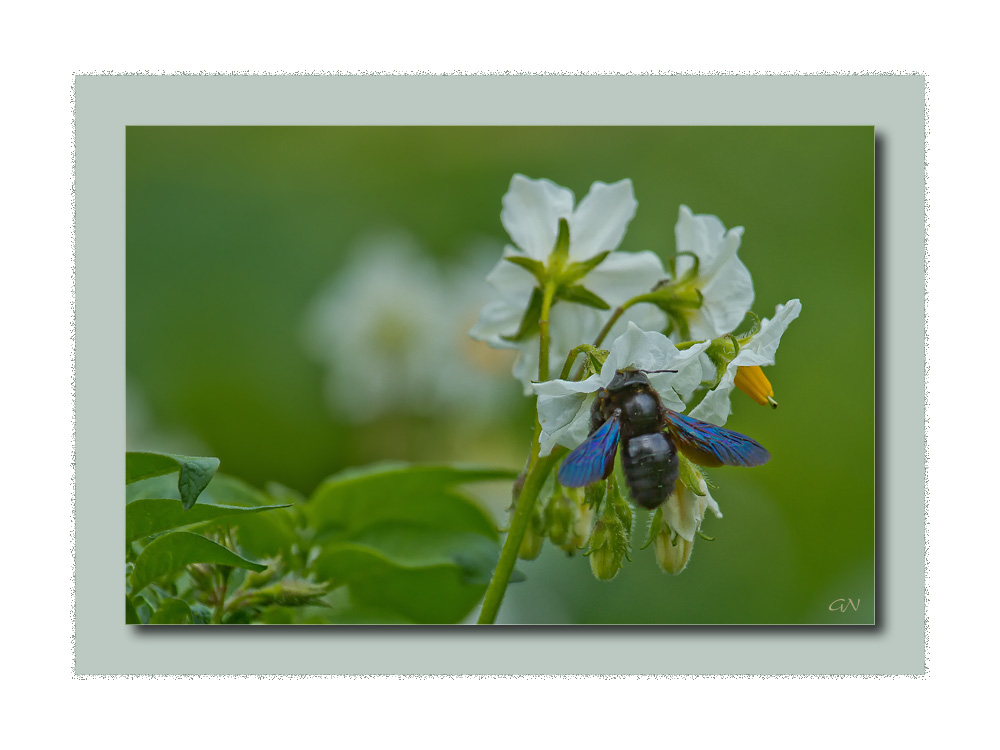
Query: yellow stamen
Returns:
{"type": "Point", "coordinates": [752, 381]}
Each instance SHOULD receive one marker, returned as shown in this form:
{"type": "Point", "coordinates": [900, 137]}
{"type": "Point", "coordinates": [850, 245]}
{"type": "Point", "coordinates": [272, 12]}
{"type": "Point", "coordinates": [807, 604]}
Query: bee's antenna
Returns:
{"type": "Point", "coordinates": [649, 372]}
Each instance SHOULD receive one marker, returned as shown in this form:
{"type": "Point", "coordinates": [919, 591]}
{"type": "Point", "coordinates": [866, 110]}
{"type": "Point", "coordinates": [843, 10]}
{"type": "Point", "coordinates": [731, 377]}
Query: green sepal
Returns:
{"type": "Point", "coordinates": [671, 297]}
{"type": "Point", "coordinates": [654, 527]}
{"type": "Point", "coordinates": [691, 273]}
{"type": "Point", "coordinates": [576, 271]}
{"type": "Point", "coordinates": [621, 507]}
{"type": "Point", "coordinates": [594, 494]}
{"type": "Point", "coordinates": [692, 478]}
{"type": "Point", "coordinates": [582, 296]}
{"type": "Point", "coordinates": [560, 253]}
{"type": "Point", "coordinates": [535, 267]}
{"type": "Point", "coordinates": [529, 321]}
{"type": "Point", "coordinates": [744, 337]}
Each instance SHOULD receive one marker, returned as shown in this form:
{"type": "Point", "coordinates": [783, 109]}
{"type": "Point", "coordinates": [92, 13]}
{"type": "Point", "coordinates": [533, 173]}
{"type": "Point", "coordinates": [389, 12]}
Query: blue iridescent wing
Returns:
{"type": "Point", "coordinates": [594, 458]}
{"type": "Point", "coordinates": [708, 445]}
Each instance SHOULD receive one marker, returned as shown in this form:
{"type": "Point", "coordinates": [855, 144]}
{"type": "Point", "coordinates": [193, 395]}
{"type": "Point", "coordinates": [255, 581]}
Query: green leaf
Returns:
{"type": "Point", "coordinates": [405, 540]}
{"type": "Point", "coordinates": [228, 490]}
{"type": "Point", "coordinates": [200, 614]}
{"type": "Point", "coordinates": [195, 472]}
{"type": "Point", "coordinates": [172, 612]}
{"type": "Point", "coordinates": [391, 492]}
{"type": "Point", "coordinates": [172, 552]}
{"type": "Point", "coordinates": [529, 321]}
{"type": "Point", "coordinates": [155, 515]}
{"type": "Point", "coordinates": [143, 609]}
{"type": "Point", "coordinates": [581, 296]}
{"type": "Point", "coordinates": [131, 616]}
{"type": "Point", "coordinates": [420, 572]}
{"type": "Point", "coordinates": [264, 535]}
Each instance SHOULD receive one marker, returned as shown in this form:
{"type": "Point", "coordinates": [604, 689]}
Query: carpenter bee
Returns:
{"type": "Point", "coordinates": [629, 410]}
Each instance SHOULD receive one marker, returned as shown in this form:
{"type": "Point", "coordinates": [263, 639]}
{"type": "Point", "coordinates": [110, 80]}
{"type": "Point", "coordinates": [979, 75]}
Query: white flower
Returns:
{"type": "Point", "coordinates": [723, 280]}
{"type": "Point", "coordinates": [757, 351]}
{"type": "Point", "coordinates": [684, 510]}
{"type": "Point", "coordinates": [564, 406]}
{"type": "Point", "coordinates": [390, 330]}
{"type": "Point", "coordinates": [531, 213]}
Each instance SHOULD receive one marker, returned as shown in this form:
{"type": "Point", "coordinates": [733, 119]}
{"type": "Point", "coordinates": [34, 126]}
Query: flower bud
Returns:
{"type": "Point", "coordinates": [534, 535]}
{"type": "Point", "coordinates": [609, 541]}
{"type": "Point", "coordinates": [560, 517]}
{"type": "Point", "coordinates": [672, 550]}
{"type": "Point", "coordinates": [581, 529]}
{"type": "Point", "coordinates": [594, 494]}
{"type": "Point", "coordinates": [605, 555]}
{"type": "Point", "coordinates": [623, 511]}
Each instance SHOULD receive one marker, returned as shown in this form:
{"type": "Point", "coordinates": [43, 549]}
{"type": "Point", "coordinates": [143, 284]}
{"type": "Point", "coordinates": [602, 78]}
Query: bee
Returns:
{"type": "Point", "coordinates": [629, 411]}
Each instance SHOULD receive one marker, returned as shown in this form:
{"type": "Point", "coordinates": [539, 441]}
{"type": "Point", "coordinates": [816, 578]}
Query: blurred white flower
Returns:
{"type": "Point", "coordinates": [390, 330]}
{"type": "Point", "coordinates": [531, 213]}
{"type": "Point", "coordinates": [564, 405]}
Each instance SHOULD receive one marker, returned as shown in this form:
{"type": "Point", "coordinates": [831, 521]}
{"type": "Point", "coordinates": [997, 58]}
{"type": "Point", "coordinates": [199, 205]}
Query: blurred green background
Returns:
{"type": "Point", "coordinates": [253, 253]}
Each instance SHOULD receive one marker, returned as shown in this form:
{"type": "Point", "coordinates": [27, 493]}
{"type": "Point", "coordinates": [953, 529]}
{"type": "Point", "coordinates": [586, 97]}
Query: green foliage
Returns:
{"type": "Point", "coordinates": [422, 550]}
{"type": "Point", "coordinates": [153, 515]}
{"type": "Point", "coordinates": [172, 612]}
{"type": "Point", "coordinates": [194, 473]}
{"type": "Point", "coordinates": [172, 552]}
{"type": "Point", "coordinates": [390, 543]}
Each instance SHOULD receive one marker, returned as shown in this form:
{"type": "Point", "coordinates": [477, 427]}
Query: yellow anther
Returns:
{"type": "Point", "coordinates": [752, 381]}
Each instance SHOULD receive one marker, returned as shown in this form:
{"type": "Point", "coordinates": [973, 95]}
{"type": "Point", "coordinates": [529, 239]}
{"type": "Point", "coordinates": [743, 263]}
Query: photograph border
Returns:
{"type": "Point", "coordinates": [894, 104]}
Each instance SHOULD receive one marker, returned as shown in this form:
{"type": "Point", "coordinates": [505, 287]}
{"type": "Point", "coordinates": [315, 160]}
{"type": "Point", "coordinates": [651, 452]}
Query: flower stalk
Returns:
{"type": "Point", "coordinates": [539, 471]}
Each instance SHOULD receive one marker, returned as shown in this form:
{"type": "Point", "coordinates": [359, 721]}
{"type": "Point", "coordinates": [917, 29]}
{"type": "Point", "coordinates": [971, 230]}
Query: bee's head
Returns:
{"type": "Point", "coordinates": [627, 379]}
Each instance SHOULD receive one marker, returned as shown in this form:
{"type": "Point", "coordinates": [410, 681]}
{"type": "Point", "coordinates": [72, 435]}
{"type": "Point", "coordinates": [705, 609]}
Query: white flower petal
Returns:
{"type": "Point", "coordinates": [711, 505]}
{"type": "Point", "coordinates": [512, 281]}
{"type": "Point", "coordinates": [703, 235]}
{"type": "Point", "coordinates": [723, 279]}
{"type": "Point", "coordinates": [765, 343]}
{"type": "Point", "coordinates": [565, 421]}
{"type": "Point", "coordinates": [683, 512]}
{"type": "Point", "coordinates": [715, 407]}
{"type": "Point", "coordinates": [526, 365]}
{"type": "Point", "coordinates": [760, 351]}
{"type": "Point", "coordinates": [622, 276]}
{"type": "Point", "coordinates": [497, 319]}
{"type": "Point", "coordinates": [531, 213]}
{"type": "Point", "coordinates": [726, 298]}
{"type": "Point", "coordinates": [600, 221]}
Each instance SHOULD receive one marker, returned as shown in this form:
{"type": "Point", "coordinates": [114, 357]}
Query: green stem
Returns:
{"type": "Point", "coordinates": [539, 470]}
{"type": "Point", "coordinates": [220, 601]}
{"type": "Point", "coordinates": [548, 294]}
{"type": "Point", "coordinates": [567, 368]}
{"type": "Point", "coordinates": [619, 311]}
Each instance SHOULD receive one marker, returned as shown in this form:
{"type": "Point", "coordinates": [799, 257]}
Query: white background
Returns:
{"type": "Point", "coordinates": [949, 42]}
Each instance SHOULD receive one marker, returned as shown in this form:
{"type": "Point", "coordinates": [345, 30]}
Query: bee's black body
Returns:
{"type": "Point", "coordinates": [629, 413]}
{"type": "Point", "coordinates": [649, 456]}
